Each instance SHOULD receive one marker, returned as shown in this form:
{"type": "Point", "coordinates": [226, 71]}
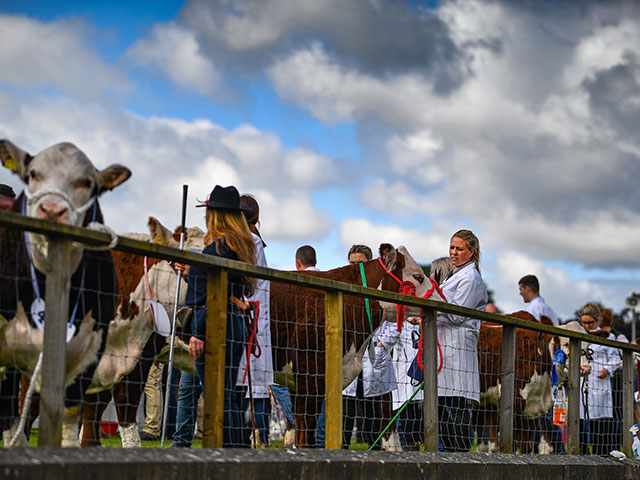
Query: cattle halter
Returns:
{"type": "Point", "coordinates": [74, 212]}
{"type": "Point", "coordinates": [408, 288]}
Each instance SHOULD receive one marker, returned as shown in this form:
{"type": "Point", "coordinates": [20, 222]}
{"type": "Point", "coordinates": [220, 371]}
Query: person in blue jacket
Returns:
{"type": "Point", "coordinates": [227, 236]}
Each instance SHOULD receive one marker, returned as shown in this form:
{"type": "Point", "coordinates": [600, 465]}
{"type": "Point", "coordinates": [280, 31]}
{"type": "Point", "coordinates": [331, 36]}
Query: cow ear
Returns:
{"type": "Point", "coordinates": [14, 158]}
{"type": "Point", "coordinates": [112, 176]}
{"type": "Point", "coordinates": [159, 233]}
{"type": "Point", "coordinates": [393, 259]}
{"type": "Point", "coordinates": [383, 249]}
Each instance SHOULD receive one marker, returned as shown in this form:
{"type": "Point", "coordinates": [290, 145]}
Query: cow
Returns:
{"type": "Point", "coordinates": [63, 186]}
{"type": "Point", "coordinates": [135, 345]}
{"type": "Point", "coordinates": [532, 389]}
{"type": "Point", "coordinates": [298, 320]}
{"type": "Point", "coordinates": [132, 344]}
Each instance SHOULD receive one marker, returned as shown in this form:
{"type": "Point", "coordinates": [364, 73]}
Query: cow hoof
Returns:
{"type": "Point", "coordinates": [290, 439]}
{"type": "Point", "coordinates": [130, 436]}
{"type": "Point", "coordinates": [21, 441]}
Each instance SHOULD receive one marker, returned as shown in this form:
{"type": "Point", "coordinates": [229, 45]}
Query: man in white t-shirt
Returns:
{"type": "Point", "coordinates": [530, 293]}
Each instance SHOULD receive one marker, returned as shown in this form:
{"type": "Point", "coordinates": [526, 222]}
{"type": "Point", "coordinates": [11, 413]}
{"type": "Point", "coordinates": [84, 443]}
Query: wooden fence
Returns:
{"type": "Point", "coordinates": [57, 294]}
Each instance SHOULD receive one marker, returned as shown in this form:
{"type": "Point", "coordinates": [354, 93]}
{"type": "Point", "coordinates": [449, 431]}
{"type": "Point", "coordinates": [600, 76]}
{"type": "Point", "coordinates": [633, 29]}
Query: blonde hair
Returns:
{"type": "Point", "coordinates": [472, 244]}
{"type": "Point", "coordinates": [231, 226]}
{"type": "Point", "coordinates": [593, 310]}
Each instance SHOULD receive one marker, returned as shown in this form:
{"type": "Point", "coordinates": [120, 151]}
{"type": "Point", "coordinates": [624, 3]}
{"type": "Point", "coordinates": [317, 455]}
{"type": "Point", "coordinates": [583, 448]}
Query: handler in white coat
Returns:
{"type": "Point", "coordinates": [262, 366]}
{"type": "Point", "coordinates": [459, 378]}
{"type": "Point", "coordinates": [596, 402]}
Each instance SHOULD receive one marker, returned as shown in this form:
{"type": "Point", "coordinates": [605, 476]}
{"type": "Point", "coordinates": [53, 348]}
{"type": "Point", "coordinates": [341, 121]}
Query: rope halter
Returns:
{"type": "Point", "coordinates": [409, 288]}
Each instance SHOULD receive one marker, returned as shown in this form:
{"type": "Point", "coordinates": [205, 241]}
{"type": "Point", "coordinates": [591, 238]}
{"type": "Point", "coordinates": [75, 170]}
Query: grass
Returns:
{"type": "Point", "coordinates": [114, 441]}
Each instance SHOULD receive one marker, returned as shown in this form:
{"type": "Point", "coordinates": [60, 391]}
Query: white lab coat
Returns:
{"type": "Point", "coordinates": [403, 355]}
{"type": "Point", "coordinates": [458, 335]}
{"type": "Point", "coordinates": [261, 367]}
{"type": "Point", "coordinates": [378, 374]}
{"type": "Point", "coordinates": [599, 398]}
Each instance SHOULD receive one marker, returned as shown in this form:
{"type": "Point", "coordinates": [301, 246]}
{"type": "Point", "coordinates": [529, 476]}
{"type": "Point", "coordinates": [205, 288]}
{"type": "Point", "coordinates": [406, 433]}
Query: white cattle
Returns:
{"type": "Point", "coordinates": [61, 185]}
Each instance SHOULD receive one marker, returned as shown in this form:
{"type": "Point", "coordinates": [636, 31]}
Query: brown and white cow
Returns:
{"type": "Point", "coordinates": [298, 321]}
{"type": "Point", "coordinates": [61, 185]}
{"type": "Point", "coordinates": [532, 390]}
{"type": "Point", "coordinates": [132, 344]}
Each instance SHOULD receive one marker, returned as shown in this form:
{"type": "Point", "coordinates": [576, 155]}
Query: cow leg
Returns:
{"type": "Point", "coordinates": [70, 419]}
{"type": "Point", "coordinates": [492, 419]}
{"type": "Point", "coordinates": [92, 410]}
{"type": "Point", "coordinates": [34, 409]}
{"type": "Point", "coordinates": [9, 405]}
{"type": "Point", "coordinates": [526, 431]}
{"type": "Point", "coordinates": [306, 412]}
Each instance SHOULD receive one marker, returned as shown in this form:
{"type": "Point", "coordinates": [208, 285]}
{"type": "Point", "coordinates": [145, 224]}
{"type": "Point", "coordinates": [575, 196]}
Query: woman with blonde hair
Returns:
{"type": "Point", "coordinates": [596, 402]}
{"type": "Point", "coordinates": [459, 377]}
{"type": "Point", "coordinates": [227, 236]}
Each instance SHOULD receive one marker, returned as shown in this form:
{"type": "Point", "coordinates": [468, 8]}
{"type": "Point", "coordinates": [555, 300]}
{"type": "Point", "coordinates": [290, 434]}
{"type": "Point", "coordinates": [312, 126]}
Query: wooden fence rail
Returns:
{"type": "Point", "coordinates": [219, 268]}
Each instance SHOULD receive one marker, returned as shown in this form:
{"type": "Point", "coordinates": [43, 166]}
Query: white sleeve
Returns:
{"type": "Point", "coordinates": [467, 294]}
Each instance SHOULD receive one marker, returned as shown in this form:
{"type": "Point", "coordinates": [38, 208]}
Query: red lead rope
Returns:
{"type": "Point", "coordinates": [408, 288]}
{"type": "Point", "coordinates": [253, 326]}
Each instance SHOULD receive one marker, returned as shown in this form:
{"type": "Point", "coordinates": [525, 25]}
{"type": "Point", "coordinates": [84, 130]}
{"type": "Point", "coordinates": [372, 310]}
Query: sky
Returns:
{"type": "Point", "coordinates": [363, 122]}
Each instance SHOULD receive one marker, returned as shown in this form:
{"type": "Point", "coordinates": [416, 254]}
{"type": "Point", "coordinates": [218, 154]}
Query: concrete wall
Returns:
{"type": "Point", "coordinates": [197, 464]}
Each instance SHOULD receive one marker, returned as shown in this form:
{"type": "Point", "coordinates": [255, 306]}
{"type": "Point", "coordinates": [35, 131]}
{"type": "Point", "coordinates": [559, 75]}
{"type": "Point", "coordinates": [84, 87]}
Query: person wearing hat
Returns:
{"type": "Point", "coordinates": [7, 196]}
{"type": "Point", "coordinates": [227, 236]}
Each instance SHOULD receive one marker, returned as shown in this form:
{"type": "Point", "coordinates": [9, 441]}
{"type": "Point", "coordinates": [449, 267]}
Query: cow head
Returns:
{"type": "Point", "coordinates": [193, 236]}
{"type": "Point", "coordinates": [61, 185]}
{"type": "Point", "coordinates": [401, 263]}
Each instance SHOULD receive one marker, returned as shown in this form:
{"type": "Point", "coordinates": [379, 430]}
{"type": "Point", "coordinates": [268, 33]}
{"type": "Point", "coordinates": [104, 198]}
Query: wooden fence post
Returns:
{"type": "Point", "coordinates": [507, 389]}
{"type": "Point", "coordinates": [333, 370]}
{"type": "Point", "coordinates": [54, 346]}
{"type": "Point", "coordinates": [215, 348]}
{"type": "Point", "coordinates": [573, 400]}
{"type": "Point", "coordinates": [627, 400]}
{"type": "Point", "coordinates": [430, 377]}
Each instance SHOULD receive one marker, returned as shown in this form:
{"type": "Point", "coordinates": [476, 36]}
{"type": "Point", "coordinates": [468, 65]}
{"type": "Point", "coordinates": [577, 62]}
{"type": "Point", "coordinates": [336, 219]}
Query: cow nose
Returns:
{"type": "Point", "coordinates": [53, 212]}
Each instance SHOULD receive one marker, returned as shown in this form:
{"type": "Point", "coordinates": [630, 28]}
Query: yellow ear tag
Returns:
{"type": "Point", "coordinates": [11, 164]}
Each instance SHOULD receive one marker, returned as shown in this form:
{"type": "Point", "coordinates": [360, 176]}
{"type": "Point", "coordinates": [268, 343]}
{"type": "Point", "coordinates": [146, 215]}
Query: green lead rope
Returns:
{"type": "Point", "coordinates": [366, 300]}
{"type": "Point", "coordinates": [397, 415]}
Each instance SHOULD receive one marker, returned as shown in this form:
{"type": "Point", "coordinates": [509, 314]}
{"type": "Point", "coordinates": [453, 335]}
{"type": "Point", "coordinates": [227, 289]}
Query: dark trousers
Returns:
{"type": "Point", "coordinates": [454, 424]}
{"type": "Point", "coordinates": [412, 425]}
{"type": "Point", "coordinates": [601, 436]}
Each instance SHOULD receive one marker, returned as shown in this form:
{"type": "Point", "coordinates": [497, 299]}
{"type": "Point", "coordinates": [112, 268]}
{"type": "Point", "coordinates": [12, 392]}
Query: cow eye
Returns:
{"type": "Point", "coordinates": [419, 278]}
{"type": "Point", "coordinates": [87, 183]}
{"type": "Point", "coordinates": [32, 174]}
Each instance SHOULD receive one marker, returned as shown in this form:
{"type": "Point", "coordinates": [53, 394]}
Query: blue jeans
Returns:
{"type": "Point", "coordinates": [262, 410]}
{"type": "Point", "coordinates": [189, 390]}
{"type": "Point", "coordinates": [320, 437]}
{"type": "Point", "coordinates": [283, 397]}
{"type": "Point", "coordinates": [188, 393]}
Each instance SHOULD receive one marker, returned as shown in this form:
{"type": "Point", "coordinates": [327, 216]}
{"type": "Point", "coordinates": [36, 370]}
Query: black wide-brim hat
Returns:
{"type": "Point", "coordinates": [224, 198]}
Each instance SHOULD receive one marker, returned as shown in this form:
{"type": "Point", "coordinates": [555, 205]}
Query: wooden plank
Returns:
{"type": "Point", "coordinates": [430, 359]}
{"type": "Point", "coordinates": [333, 370]}
{"type": "Point", "coordinates": [13, 220]}
{"type": "Point", "coordinates": [56, 315]}
{"type": "Point", "coordinates": [214, 362]}
{"type": "Point", "coordinates": [573, 399]}
{"type": "Point", "coordinates": [628, 370]}
{"type": "Point", "coordinates": [508, 385]}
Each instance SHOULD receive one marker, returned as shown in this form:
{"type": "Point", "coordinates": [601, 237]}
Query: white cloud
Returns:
{"type": "Point", "coordinates": [37, 54]}
{"type": "Point", "coordinates": [175, 52]}
{"type": "Point", "coordinates": [563, 293]}
{"type": "Point", "coordinates": [164, 154]}
{"type": "Point", "coordinates": [424, 246]}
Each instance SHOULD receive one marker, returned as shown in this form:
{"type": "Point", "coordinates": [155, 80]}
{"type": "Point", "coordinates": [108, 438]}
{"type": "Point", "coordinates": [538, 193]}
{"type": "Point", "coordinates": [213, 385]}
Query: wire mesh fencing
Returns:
{"type": "Point", "coordinates": [118, 311]}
